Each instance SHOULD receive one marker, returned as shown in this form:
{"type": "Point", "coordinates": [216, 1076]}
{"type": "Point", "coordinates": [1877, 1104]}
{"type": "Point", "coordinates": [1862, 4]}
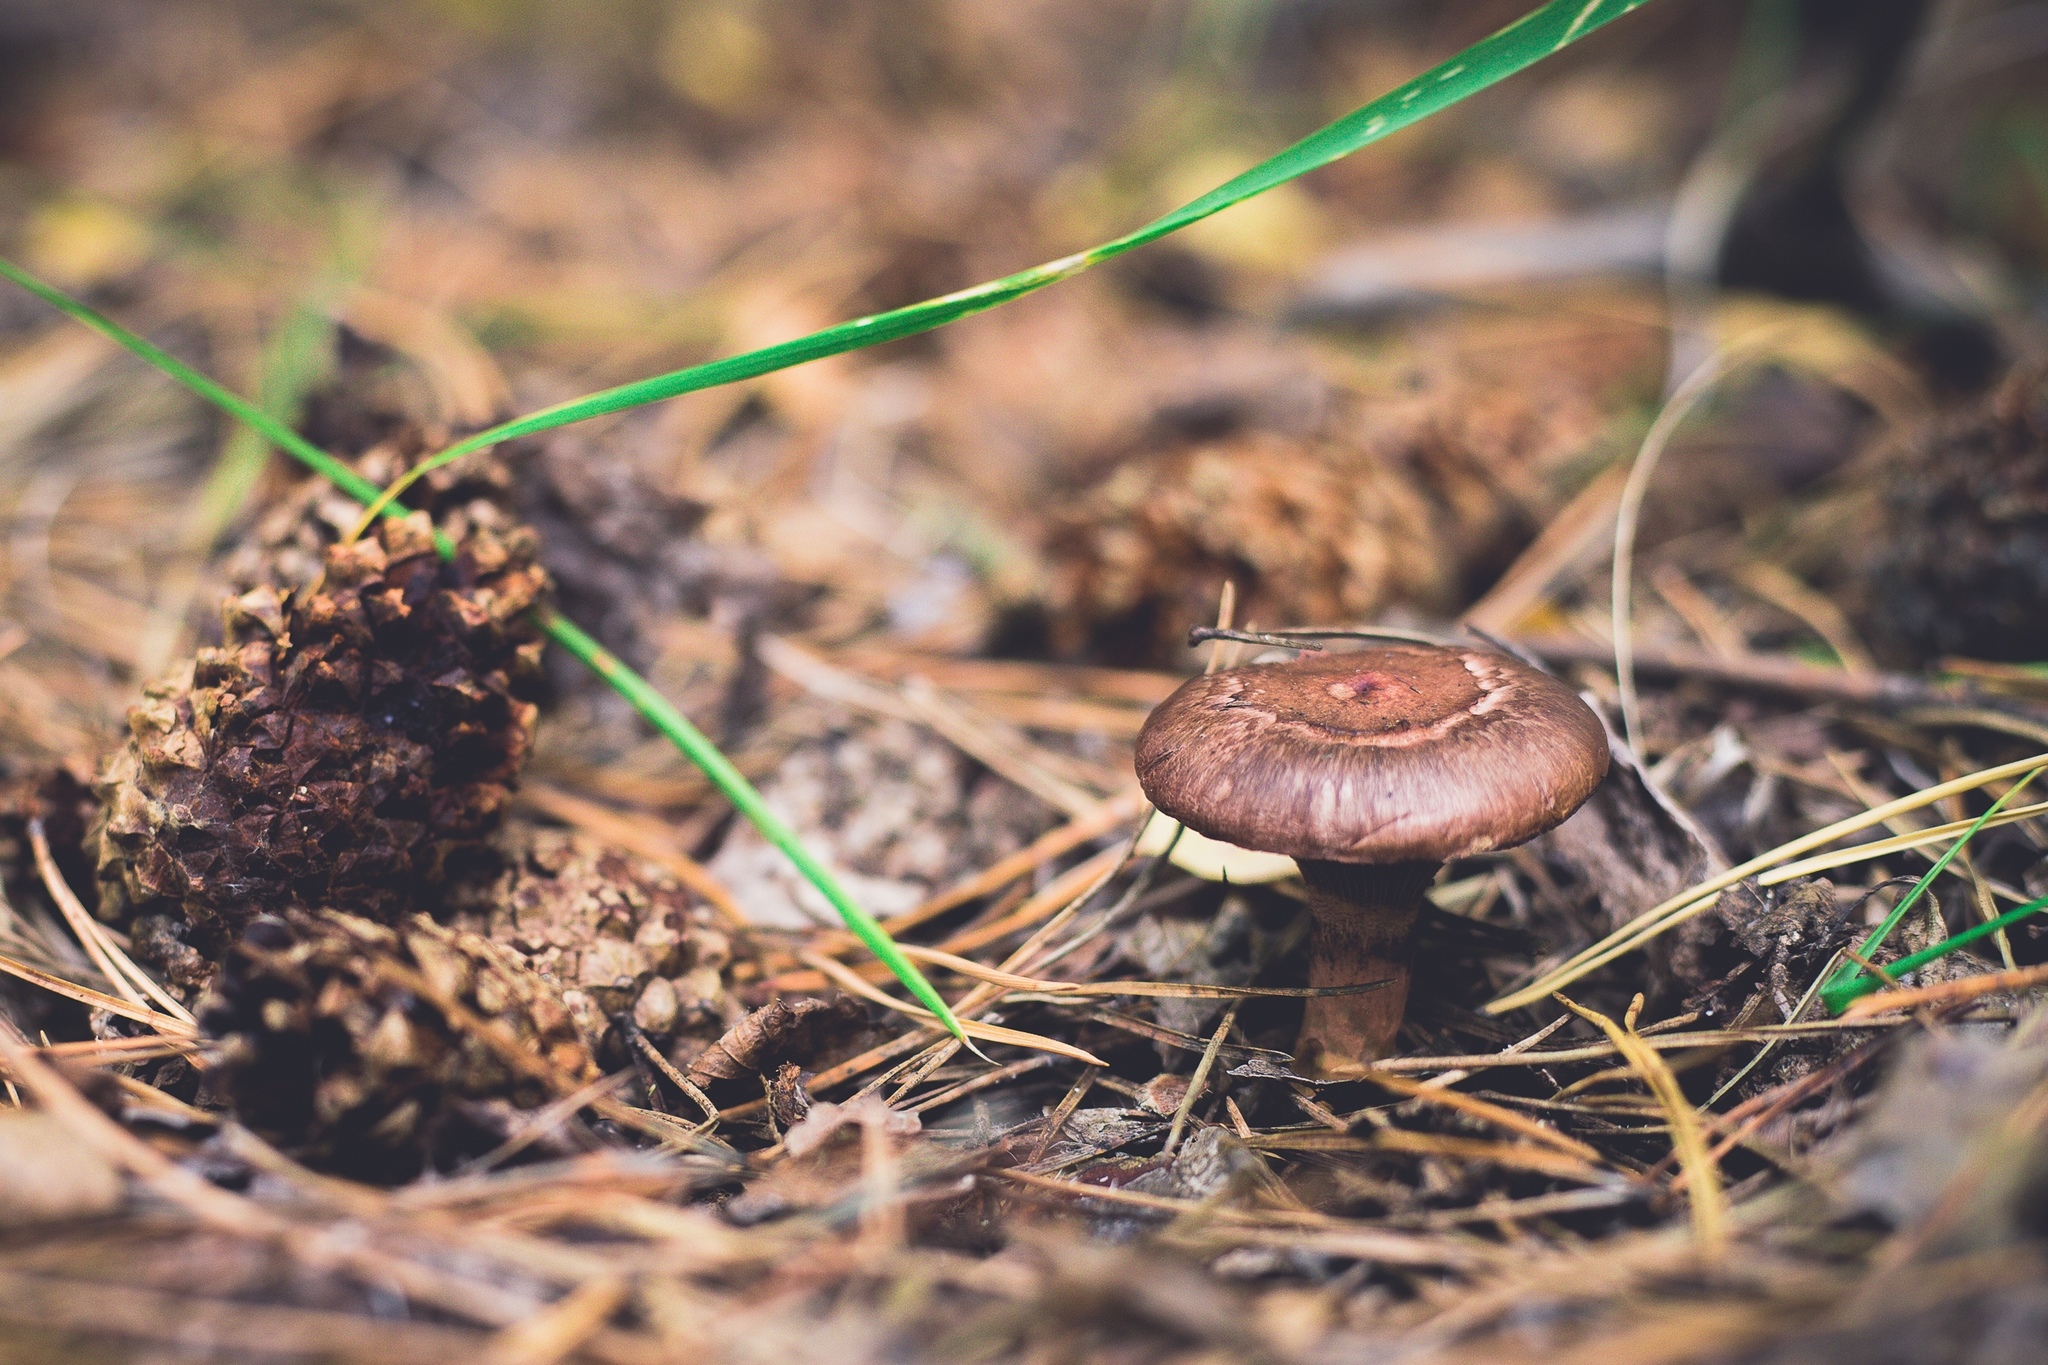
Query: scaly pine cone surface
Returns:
{"type": "Point", "coordinates": [616, 936]}
{"type": "Point", "coordinates": [347, 746]}
{"type": "Point", "coordinates": [360, 1048]}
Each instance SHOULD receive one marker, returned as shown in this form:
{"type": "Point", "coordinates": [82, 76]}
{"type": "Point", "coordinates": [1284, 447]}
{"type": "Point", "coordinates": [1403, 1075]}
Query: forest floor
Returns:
{"type": "Point", "coordinates": [629, 1093]}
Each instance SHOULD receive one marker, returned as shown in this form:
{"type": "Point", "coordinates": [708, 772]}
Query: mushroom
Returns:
{"type": "Point", "coordinates": [1371, 769]}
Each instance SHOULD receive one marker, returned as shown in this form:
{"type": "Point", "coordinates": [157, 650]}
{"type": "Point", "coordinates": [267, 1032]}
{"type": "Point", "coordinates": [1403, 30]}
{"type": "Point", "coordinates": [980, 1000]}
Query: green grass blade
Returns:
{"type": "Point", "coordinates": [1490, 60]}
{"type": "Point", "coordinates": [1851, 974]}
{"type": "Point", "coordinates": [715, 765]}
{"type": "Point", "coordinates": [1838, 995]}
{"type": "Point", "coordinates": [637, 690]}
{"type": "Point", "coordinates": [292, 365]}
{"type": "Point", "coordinates": [278, 434]}
{"type": "Point", "coordinates": [1521, 44]}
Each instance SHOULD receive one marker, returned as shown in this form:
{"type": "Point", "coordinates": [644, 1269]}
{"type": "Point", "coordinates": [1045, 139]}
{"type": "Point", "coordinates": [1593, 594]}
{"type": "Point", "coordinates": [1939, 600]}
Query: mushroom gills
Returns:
{"type": "Point", "coordinates": [1211, 859]}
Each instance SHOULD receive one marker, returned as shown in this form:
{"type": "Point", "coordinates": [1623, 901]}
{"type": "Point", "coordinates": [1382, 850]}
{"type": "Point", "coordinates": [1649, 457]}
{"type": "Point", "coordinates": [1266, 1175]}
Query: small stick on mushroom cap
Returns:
{"type": "Point", "coordinates": [1371, 769]}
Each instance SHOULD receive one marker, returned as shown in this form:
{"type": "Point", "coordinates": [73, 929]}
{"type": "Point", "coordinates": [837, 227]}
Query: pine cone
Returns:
{"type": "Point", "coordinates": [1310, 532]}
{"type": "Point", "coordinates": [286, 547]}
{"type": "Point", "coordinates": [614, 934]}
{"type": "Point", "coordinates": [343, 1048]}
{"type": "Point", "coordinates": [347, 747]}
{"type": "Point", "coordinates": [1407, 479]}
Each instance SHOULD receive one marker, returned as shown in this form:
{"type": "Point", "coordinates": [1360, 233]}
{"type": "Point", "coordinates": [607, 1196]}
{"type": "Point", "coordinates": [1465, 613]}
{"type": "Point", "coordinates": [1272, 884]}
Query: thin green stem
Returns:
{"type": "Point", "coordinates": [1850, 975]}
{"type": "Point", "coordinates": [283, 437]}
{"type": "Point", "coordinates": [1521, 44]}
{"type": "Point", "coordinates": [648, 702]}
{"type": "Point", "coordinates": [701, 751]}
{"type": "Point", "coordinates": [1837, 996]}
{"type": "Point", "coordinates": [291, 366]}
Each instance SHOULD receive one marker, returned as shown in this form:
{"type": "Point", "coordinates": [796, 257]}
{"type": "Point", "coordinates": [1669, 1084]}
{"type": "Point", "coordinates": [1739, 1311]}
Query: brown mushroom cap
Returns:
{"type": "Point", "coordinates": [1389, 754]}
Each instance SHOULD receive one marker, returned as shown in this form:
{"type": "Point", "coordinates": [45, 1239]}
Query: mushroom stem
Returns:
{"type": "Point", "coordinates": [1364, 931]}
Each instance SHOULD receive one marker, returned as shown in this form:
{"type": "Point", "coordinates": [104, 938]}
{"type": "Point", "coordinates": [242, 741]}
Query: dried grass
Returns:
{"type": "Point", "coordinates": [1139, 1175]}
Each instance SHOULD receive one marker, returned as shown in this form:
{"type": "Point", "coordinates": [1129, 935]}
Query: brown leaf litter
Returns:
{"type": "Point", "coordinates": [896, 809]}
{"type": "Point", "coordinates": [643, 1133]}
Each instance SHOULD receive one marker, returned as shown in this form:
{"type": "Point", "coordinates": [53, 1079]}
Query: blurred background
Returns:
{"type": "Point", "coordinates": [1361, 397]}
